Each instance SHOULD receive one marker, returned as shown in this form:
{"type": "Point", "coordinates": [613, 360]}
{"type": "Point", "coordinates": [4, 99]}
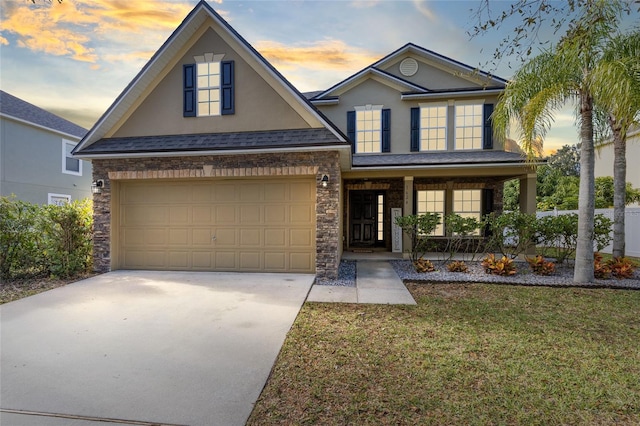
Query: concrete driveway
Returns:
{"type": "Point", "coordinates": [140, 347]}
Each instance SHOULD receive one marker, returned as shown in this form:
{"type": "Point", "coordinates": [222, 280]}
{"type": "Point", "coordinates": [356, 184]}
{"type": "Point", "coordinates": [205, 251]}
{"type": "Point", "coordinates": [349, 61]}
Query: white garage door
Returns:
{"type": "Point", "coordinates": [218, 225]}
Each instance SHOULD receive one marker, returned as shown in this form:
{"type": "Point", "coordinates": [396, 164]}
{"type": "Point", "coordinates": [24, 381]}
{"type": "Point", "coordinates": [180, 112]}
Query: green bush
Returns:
{"type": "Point", "coordinates": [20, 239]}
{"type": "Point", "coordinates": [460, 233]}
{"type": "Point", "coordinates": [512, 233]}
{"type": "Point", "coordinates": [44, 239]}
{"type": "Point", "coordinates": [560, 234]}
{"type": "Point", "coordinates": [419, 228]}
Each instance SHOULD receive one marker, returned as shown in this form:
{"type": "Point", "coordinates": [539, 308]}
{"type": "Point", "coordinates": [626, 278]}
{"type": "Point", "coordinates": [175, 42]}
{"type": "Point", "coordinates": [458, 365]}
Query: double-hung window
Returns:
{"type": "Point", "coordinates": [469, 126]}
{"type": "Point", "coordinates": [433, 127]}
{"type": "Point", "coordinates": [468, 203]}
{"type": "Point", "coordinates": [432, 201]}
{"type": "Point", "coordinates": [70, 165]}
{"type": "Point", "coordinates": [369, 128]}
{"type": "Point", "coordinates": [208, 74]}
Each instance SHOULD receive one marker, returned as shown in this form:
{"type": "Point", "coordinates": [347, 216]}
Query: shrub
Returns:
{"type": "Point", "coordinates": [457, 266]}
{"type": "Point", "coordinates": [460, 233]}
{"type": "Point", "coordinates": [512, 233]}
{"type": "Point", "coordinates": [540, 266]}
{"type": "Point", "coordinates": [601, 270]}
{"type": "Point", "coordinates": [418, 228]}
{"type": "Point", "coordinates": [621, 267]}
{"type": "Point", "coordinates": [40, 239]}
{"type": "Point", "coordinates": [423, 265]}
{"type": "Point", "coordinates": [502, 266]}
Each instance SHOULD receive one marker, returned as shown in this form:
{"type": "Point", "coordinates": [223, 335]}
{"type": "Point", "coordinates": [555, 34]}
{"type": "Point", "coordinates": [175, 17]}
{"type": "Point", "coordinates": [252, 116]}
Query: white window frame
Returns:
{"type": "Point", "coordinates": [426, 130]}
{"type": "Point", "coordinates": [368, 131]}
{"type": "Point", "coordinates": [51, 198]}
{"type": "Point", "coordinates": [65, 144]}
{"type": "Point", "coordinates": [208, 88]}
{"type": "Point", "coordinates": [465, 127]}
{"type": "Point", "coordinates": [421, 207]}
{"type": "Point", "coordinates": [465, 207]}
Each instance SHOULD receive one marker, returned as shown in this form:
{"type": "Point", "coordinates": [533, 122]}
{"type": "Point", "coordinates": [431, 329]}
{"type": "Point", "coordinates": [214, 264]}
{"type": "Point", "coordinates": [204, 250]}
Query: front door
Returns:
{"type": "Point", "coordinates": [364, 208]}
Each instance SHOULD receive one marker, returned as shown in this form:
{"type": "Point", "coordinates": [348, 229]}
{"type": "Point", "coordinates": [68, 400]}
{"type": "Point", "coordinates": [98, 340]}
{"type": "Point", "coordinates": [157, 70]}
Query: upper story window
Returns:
{"type": "Point", "coordinates": [208, 86]}
{"type": "Point", "coordinates": [369, 129]}
{"type": "Point", "coordinates": [70, 165]}
{"type": "Point", "coordinates": [469, 126]}
{"type": "Point", "coordinates": [433, 127]}
{"type": "Point", "coordinates": [208, 74]}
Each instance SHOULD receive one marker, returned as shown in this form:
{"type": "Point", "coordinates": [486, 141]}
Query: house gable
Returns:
{"type": "Point", "coordinates": [264, 100]}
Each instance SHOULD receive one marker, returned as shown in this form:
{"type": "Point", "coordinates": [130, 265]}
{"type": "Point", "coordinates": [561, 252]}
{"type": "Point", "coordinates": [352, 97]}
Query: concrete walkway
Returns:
{"type": "Point", "coordinates": [376, 282]}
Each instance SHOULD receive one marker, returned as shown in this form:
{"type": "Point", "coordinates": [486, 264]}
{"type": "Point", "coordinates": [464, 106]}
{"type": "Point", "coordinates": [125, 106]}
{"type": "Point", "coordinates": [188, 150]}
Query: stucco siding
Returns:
{"type": "Point", "coordinates": [258, 106]}
{"type": "Point", "coordinates": [376, 93]}
{"type": "Point", "coordinates": [32, 165]}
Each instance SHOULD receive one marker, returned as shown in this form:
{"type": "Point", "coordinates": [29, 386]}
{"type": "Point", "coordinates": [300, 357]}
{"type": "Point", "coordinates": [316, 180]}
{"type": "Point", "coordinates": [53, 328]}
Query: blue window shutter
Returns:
{"type": "Point", "coordinates": [351, 129]}
{"type": "Point", "coordinates": [189, 88]}
{"type": "Point", "coordinates": [487, 140]}
{"type": "Point", "coordinates": [415, 129]}
{"type": "Point", "coordinates": [227, 88]}
{"type": "Point", "coordinates": [386, 130]}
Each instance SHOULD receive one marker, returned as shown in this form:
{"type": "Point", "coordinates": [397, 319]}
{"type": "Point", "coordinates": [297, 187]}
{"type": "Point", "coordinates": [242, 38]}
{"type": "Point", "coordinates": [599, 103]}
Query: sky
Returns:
{"type": "Point", "coordinates": [75, 57]}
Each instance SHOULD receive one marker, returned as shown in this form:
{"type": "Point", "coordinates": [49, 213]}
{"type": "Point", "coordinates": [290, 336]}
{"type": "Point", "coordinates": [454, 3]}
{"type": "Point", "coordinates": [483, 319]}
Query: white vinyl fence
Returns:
{"type": "Point", "coordinates": [631, 227]}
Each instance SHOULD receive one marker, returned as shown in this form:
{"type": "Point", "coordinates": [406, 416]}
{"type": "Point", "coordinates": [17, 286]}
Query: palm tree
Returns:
{"type": "Point", "coordinates": [545, 84]}
{"type": "Point", "coordinates": [619, 107]}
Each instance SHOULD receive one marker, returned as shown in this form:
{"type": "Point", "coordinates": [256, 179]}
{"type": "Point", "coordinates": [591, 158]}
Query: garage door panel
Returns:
{"type": "Point", "coordinates": [225, 214]}
{"type": "Point", "coordinates": [201, 215]}
{"type": "Point", "coordinates": [226, 237]}
{"type": "Point", "coordinates": [301, 214]}
{"type": "Point", "coordinates": [155, 236]}
{"type": "Point", "coordinates": [178, 215]}
{"type": "Point", "coordinates": [250, 215]}
{"type": "Point", "coordinates": [275, 237]}
{"type": "Point", "coordinates": [300, 262]}
{"type": "Point", "coordinates": [179, 259]}
{"type": "Point", "coordinates": [225, 192]}
{"type": "Point", "coordinates": [202, 260]}
{"type": "Point", "coordinates": [250, 237]}
{"type": "Point", "coordinates": [226, 225]}
{"type": "Point", "coordinates": [179, 236]}
{"type": "Point", "coordinates": [300, 238]}
{"type": "Point", "coordinates": [250, 260]}
{"type": "Point", "coordinates": [226, 260]}
{"type": "Point", "coordinates": [276, 261]}
{"type": "Point", "coordinates": [201, 237]}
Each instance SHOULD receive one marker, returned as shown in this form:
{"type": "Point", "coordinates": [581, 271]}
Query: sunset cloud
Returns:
{"type": "Point", "coordinates": [424, 9]}
{"type": "Point", "coordinates": [323, 54]}
{"type": "Point", "coordinates": [79, 29]}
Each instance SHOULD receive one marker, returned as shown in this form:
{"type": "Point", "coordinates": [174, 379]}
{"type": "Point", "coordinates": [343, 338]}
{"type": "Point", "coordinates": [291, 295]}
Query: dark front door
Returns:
{"type": "Point", "coordinates": [364, 208]}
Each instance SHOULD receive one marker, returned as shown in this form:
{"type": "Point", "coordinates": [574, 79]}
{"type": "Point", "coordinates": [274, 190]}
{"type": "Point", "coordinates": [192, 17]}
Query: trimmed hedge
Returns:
{"type": "Point", "coordinates": [39, 240]}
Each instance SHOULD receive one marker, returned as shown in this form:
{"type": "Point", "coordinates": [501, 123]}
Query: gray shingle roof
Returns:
{"type": "Point", "coordinates": [215, 142]}
{"type": "Point", "coordinates": [437, 158]}
{"type": "Point", "coordinates": [17, 108]}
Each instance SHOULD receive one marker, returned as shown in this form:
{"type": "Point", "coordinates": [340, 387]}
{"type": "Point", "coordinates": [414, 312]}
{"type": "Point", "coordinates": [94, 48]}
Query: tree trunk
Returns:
{"type": "Point", "coordinates": [619, 186]}
{"type": "Point", "coordinates": [583, 272]}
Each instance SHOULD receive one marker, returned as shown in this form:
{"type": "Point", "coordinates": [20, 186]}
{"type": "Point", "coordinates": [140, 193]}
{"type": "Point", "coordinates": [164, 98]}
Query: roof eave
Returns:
{"type": "Point", "coordinates": [39, 126]}
{"type": "Point", "coordinates": [449, 94]}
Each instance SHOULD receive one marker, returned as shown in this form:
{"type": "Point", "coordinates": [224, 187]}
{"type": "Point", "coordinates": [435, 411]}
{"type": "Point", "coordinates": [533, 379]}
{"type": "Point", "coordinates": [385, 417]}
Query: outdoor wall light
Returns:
{"type": "Point", "coordinates": [325, 181]}
{"type": "Point", "coordinates": [96, 186]}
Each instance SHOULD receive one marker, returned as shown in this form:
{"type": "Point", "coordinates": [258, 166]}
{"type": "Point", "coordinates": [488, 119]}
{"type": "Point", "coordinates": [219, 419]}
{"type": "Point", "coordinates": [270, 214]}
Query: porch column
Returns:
{"type": "Point", "coordinates": [528, 193]}
{"type": "Point", "coordinates": [407, 210]}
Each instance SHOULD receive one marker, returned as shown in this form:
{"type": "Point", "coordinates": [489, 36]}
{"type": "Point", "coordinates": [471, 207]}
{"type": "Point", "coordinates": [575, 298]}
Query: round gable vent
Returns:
{"type": "Point", "coordinates": [408, 67]}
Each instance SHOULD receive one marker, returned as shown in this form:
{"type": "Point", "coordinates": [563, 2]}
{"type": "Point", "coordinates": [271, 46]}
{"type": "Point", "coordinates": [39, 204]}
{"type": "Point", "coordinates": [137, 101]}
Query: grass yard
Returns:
{"type": "Point", "coordinates": [467, 354]}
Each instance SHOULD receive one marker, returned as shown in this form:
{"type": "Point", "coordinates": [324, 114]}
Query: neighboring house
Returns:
{"type": "Point", "coordinates": [211, 160]}
{"type": "Point", "coordinates": [604, 159]}
{"type": "Point", "coordinates": [35, 155]}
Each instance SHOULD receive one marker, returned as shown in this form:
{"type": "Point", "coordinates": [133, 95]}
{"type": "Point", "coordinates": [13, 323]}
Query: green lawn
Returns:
{"type": "Point", "coordinates": [467, 354]}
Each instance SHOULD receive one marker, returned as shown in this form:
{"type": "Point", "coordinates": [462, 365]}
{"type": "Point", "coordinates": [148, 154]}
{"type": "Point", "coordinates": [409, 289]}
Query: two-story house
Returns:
{"type": "Point", "coordinates": [211, 160]}
{"type": "Point", "coordinates": [36, 164]}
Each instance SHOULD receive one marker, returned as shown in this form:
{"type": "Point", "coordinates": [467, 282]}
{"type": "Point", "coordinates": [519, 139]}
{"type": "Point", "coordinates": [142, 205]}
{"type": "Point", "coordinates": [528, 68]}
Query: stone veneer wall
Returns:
{"type": "Point", "coordinates": [249, 165]}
